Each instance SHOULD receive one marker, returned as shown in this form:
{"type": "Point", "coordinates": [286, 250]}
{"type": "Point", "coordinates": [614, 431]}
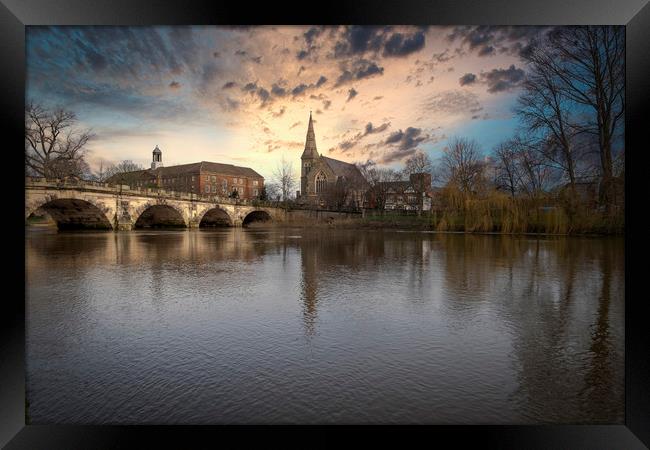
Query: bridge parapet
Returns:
{"type": "Point", "coordinates": [126, 190]}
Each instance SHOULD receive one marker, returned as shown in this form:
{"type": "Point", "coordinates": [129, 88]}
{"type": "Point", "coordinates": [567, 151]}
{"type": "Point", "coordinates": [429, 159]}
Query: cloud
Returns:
{"type": "Point", "coordinates": [278, 91]}
{"type": "Point", "coordinates": [300, 89]}
{"type": "Point", "coordinates": [370, 129]}
{"type": "Point", "coordinates": [359, 69]}
{"type": "Point", "coordinates": [228, 85]}
{"type": "Point", "coordinates": [486, 50]}
{"type": "Point", "coordinates": [453, 102]}
{"type": "Point", "coordinates": [280, 112]}
{"type": "Point", "coordinates": [468, 78]}
{"type": "Point", "coordinates": [351, 94]}
{"type": "Point", "coordinates": [359, 40]}
{"type": "Point", "coordinates": [401, 45]}
{"type": "Point", "coordinates": [403, 143]}
{"type": "Point", "coordinates": [175, 85]}
{"type": "Point", "coordinates": [499, 80]}
{"type": "Point", "coordinates": [352, 142]}
{"type": "Point", "coordinates": [488, 40]}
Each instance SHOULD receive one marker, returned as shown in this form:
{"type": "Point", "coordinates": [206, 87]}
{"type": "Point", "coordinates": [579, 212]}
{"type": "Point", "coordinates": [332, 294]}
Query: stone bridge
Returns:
{"type": "Point", "coordinates": [87, 204]}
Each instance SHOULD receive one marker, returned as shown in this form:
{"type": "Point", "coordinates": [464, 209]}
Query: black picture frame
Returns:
{"type": "Point", "coordinates": [16, 14]}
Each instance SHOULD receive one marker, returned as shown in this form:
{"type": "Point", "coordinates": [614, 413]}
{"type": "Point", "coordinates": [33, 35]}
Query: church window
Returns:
{"type": "Point", "coordinates": [321, 182]}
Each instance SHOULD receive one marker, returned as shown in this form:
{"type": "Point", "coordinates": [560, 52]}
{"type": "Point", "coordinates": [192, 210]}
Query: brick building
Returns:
{"type": "Point", "coordinates": [207, 178]}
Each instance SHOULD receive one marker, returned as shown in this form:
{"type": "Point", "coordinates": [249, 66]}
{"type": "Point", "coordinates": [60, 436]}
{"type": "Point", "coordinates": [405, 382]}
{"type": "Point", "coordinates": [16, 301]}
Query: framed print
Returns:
{"type": "Point", "coordinates": [381, 215]}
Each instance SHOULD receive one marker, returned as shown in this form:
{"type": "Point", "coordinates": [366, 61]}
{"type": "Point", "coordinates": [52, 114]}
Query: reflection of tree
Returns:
{"type": "Point", "coordinates": [602, 391]}
{"type": "Point", "coordinates": [545, 339]}
{"type": "Point", "coordinates": [549, 314]}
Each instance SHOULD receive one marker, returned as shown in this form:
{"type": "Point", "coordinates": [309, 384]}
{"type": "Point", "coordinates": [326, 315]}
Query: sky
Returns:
{"type": "Point", "coordinates": [243, 95]}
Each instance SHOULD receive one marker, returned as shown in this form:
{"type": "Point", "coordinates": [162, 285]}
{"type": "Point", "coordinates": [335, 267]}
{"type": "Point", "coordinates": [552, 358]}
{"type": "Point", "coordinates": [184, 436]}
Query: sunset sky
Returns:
{"type": "Point", "coordinates": [242, 95]}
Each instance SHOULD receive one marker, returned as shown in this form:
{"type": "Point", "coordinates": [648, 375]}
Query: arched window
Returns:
{"type": "Point", "coordinates": [321, 182]}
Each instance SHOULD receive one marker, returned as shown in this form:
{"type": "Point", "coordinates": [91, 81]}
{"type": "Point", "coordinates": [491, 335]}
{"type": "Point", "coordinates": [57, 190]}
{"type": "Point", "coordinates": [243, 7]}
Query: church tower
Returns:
{"type": "Point", "coordinates": [308, 158]}
{"type": "Point", "coordinates": [157, 158]}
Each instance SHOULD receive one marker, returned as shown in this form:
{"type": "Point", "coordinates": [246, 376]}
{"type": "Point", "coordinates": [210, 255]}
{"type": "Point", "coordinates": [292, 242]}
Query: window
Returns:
{"type": "Point", "coordinates": [213, 178]}
{"type": "Point", "coordinates": [207, 178]}
{"type": "Point", "coordinates": [321, 182]}
{"type": "Point", "coordinates": [255, 184]}
{"type": "Point", "coordinates": [224, 186]}
{"type": "Point", "coordinates": [214, 189]}
{"type": "Point", "coordinates": [255, 192]}
{"type": "Point", "coordinates": [192, 177]}
{"type": "Point", "coordinates": [207, 189]}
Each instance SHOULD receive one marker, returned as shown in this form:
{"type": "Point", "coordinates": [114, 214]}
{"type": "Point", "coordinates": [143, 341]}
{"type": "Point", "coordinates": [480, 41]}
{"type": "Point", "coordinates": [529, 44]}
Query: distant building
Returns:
{"type": "Point", "coordinates": [157, 158]}
{"type": "Point", "coordinates": [200, 178]}
{"type": "Point", "coordinates": [406, 195]}
{"type": "Point", "coordinates": [326, 181]}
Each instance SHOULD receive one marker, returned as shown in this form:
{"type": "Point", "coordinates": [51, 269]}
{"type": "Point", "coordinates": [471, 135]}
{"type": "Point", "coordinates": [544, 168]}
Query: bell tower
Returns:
{"type": "Point", "coordinates": [308, 158]}
{"type": "Point", "coordinates": [157, 158]}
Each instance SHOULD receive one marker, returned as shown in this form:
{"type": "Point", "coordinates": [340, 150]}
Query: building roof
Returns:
{"type": "Point", "coordinates": [343, 169]}
{"type": "Point", "coordinates": [229, 169]}
{"type": "Point", "coordinates": [397, 186]}
{"type": "Point", "coordinates": [310, 143]}
{"type": "Point", "coordinates": [402, 186]}
{"type": "Point", "coordinates": [193, 168]}
{"type": "Point", "coordinates": [157, 150]}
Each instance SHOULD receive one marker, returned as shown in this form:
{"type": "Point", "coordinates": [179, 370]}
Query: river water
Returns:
{"type": "Point", "coordinates": [323, 326]}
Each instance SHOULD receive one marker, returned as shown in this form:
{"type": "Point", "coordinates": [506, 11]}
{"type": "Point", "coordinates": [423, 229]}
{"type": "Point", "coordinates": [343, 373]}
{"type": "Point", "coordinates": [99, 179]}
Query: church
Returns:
{"type": "Point", "coordinates": [328, 182]}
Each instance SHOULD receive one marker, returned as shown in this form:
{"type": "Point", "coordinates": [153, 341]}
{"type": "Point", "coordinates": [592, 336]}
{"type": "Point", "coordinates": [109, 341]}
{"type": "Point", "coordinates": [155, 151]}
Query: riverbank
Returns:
{"type": "Point", "coordinates": [550, 226]}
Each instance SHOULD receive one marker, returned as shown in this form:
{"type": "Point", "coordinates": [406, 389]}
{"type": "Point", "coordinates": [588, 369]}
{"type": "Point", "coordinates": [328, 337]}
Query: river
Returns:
{"type": "Point", "coordinates": [323, 326]}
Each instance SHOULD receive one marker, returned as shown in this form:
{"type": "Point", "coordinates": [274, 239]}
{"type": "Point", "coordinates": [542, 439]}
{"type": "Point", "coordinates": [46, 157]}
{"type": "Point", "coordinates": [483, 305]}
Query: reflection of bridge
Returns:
{"type": "Point", "coordinates": [88, 204]}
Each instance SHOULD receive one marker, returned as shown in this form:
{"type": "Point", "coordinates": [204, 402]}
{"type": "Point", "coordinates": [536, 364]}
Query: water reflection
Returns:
{"type": "Point", "coordinates": [399, 327]}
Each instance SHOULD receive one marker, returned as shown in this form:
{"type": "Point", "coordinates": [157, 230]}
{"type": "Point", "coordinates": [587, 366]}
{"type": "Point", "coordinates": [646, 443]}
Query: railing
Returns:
{"type": "Point", "coordinates": [145, 191]}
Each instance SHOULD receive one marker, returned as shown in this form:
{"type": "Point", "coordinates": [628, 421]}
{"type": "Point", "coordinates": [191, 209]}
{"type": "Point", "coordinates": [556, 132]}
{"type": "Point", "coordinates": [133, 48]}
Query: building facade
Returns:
{"type": "Point", "coordinates": [328, 182]}
{"type": "Point", "coordinates": [207, 178]}
{"type": "Point", "coordinates": [407, 195]}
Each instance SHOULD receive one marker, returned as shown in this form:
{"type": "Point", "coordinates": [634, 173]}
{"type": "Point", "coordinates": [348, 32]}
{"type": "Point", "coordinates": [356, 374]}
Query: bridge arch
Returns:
{"type": "Point", "coordinates": [215, 217]}
{"type": "Point", "coordinates": [153, 215]}
{"type": "Point", "coordinates": [256, 216]}
{"type": "Point", "coordinates": [74, 213]}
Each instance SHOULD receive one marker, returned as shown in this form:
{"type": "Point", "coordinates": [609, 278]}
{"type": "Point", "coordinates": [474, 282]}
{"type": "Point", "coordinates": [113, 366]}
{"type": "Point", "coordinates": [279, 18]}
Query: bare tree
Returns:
{"type": "Point", "coordinates": [54, 148]}
{"type": "Point", "coordinates": [125, 172]}
{"type": "Point", "coordinates": [273, 191]}
{"type": "Point", "coordinates": [285, 177]}
{"type": "Point", "coordinates": [379, 180]}
{"type": "Point", "coordinates": [508, 174]}
{"type": "Point", "coordinates": [462, 162]}
{"type": "Point", "coordinates": [587, 63]}
{"type": "Point", "coordinates": [544, 109]}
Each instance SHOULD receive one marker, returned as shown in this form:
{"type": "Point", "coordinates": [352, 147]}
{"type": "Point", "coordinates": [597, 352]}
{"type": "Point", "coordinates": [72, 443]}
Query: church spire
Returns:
{"type": "Point", "coordinates": [310, 143]}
